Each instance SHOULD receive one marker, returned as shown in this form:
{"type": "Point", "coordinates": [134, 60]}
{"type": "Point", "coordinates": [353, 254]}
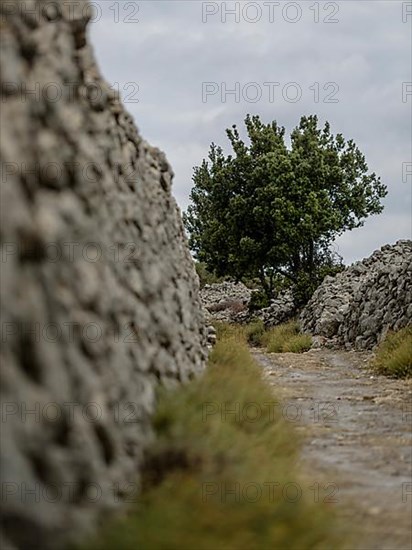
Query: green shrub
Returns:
{"type": "Point", "coordinates": [298, 343]}
{"type": "Point", "coordinates": [286, 338]}
{"type": "Point", "coordinates": [205, 276]}
{"type": "Point", "coordinates": [225, 331]}
{"type": "Point", "coordinates": [306, 283]}
{"type": "Point", "coordinates": [258, 300]}
{"type": "Point", "coordinates": [393, 356]}
{"type": "Point", "coordinates": [254, 332]}
{"type": "Point", "coordinates": [201, 454]}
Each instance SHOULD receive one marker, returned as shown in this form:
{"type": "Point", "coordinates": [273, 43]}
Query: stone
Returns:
{"type": "Point", "coordinates": [229, 302]}
{"type": "Point", "coordinates": [226, 301]}
{"type": "Point", "coordinates": [360, 305]}
{"type": "Point", "coordinates": [100, 299]}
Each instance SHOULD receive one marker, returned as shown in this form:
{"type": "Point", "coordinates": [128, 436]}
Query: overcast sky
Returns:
{"type": "Point", "coordinates": [175, 63]}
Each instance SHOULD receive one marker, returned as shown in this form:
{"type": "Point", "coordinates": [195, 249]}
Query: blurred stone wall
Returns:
{"type": "Point", "coordinates": [99, 295]}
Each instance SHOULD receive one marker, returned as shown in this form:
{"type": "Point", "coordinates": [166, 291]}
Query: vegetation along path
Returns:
{"type": "Point", "coordinates": [357, 436]}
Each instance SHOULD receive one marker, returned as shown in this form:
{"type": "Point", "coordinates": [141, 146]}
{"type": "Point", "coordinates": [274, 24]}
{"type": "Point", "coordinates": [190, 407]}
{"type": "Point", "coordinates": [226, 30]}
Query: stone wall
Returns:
{"type": "Point", "coordinates": [357, 307]}
{"type": "Point", "coordinates": [229, 302]}
{"type": "Point", "coordinates": [99, 295]}
{"type": "Point", "coordinates": [281, 309]}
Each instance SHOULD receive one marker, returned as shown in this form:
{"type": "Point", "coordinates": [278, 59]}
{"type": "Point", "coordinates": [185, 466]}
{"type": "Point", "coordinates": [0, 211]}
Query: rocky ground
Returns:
{"type": "Point", "coordinates": [357, 451]}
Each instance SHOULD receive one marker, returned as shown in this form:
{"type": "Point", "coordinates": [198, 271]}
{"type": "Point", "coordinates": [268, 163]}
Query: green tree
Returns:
{"type": "Point", "coordinates": [269, 210]}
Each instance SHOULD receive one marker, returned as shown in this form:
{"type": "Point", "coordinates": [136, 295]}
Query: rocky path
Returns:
{"type": "Point", "coordinates": [357, 430]}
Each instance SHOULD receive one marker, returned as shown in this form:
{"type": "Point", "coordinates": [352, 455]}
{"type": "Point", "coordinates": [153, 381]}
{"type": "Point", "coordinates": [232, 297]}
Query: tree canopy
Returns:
{"type": "Point", "coordinates": [269, 210]}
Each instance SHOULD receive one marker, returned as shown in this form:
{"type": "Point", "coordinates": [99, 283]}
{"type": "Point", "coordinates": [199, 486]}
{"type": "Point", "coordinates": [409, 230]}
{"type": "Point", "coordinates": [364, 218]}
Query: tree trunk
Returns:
{"type": "Point", "coordinates": [264, 284]}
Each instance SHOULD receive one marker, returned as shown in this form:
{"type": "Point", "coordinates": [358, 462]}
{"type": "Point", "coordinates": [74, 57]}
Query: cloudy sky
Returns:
{"type": "Point", "coordinates": [176, 63]}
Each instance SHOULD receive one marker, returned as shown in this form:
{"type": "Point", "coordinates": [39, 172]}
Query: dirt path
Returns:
{"type": "Point", "coordinates": [357, 430]}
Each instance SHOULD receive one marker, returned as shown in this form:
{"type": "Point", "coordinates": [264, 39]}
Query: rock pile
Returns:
{"type": "Point", "coordinates": [358, 306]}
{"type": "Point", "coordinates": [227, 301]}
{"type": "Point", "coordinates": [99, 294]}
{"type": "Point", "coordinates": [281, 309]}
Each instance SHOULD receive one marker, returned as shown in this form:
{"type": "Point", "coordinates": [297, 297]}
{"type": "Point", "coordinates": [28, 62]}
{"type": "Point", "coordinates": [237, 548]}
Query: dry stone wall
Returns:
{"type": "Point", "coordinates": [99, 295]}
{"type": "Point", "coordinates": [229, 302]}
{"type": "Point", "coordinates": [281, 309]}
{"type": "Point", "coordinates": [358, 306]}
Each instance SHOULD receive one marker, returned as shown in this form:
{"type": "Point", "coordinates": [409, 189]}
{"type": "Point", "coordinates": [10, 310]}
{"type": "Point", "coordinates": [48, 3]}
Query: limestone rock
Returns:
{"type": "Point", "coordinates": [227, 301]}
{"type": "Point", "coordinates": [357, 307]}
{"type": "Point", "coordinates": [100, 300]}
{"type": "Point", "coordinates": [281, 309]}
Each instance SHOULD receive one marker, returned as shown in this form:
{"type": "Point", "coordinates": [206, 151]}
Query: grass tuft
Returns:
{"type": "Point", "coordinates": [286, 338]}
{"type": "Point", "coordinates": [298, 343]}
{"type": "Point", "coordinates": [281, 339]}
{"type": "Point", "coordinates": [254, 332]}
{"type": "Point", "coordinates": [225, 331]}
{"type": "Point", "coordinates": [393, 356]}
{"type": "Point", "coordinates": [218, 436]}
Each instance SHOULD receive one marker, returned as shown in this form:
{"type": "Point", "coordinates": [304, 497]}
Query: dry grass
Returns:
{"type": "Point", "coordinates": [286, 338]}
{"type": "Point", "coordinates": [204, 458]}
{"type": "Point", "coordinates": [394, 355]}
{"type": "Point", "coordinates": [254, 332]}
{"type": "Point", "coordinates": [281, 339]}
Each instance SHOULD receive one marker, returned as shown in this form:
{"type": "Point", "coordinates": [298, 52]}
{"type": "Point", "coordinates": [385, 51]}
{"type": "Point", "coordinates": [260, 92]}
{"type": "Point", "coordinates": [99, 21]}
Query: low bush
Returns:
{"type": "Point", "coordinates": [254, 332]}
{"type": "Point", "coordinates": [393, 356]}
{"type": "Point", "coordinates": [205, 276]}
{"type": "Point", "coordinates": [298, 343]}
{"type": "Point", "coordinates": [213, 455]}
{"type": "Point", "coordinates": [281, 339]}
{"type": "Point", "coordinates": [258, 300]}
{"type": "Point", "coordinates": [233, 331]}
{"type": "Point", "coordinates": [286, 338]}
